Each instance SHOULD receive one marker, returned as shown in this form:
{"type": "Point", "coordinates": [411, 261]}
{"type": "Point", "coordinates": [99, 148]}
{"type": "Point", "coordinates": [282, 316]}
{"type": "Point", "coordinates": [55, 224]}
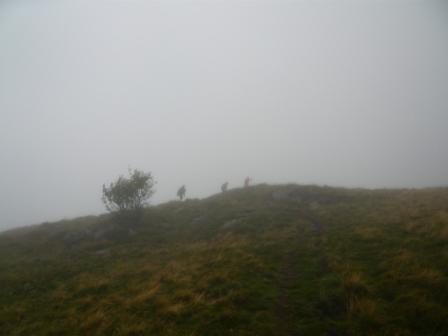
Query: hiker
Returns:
{"type": "Point", "coordinates": [224, 187]}
{"type": "Point", "coordinates": [181, 192]}
{"type": "Point", "coordinates": [247, 181]}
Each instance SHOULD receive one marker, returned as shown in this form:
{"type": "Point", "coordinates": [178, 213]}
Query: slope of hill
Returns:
{"type": "Point", "coordinates": [266, 260]}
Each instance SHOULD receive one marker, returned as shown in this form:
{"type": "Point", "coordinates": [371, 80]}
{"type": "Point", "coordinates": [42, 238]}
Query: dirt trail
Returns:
{"type": "Point", "coordinates": [288, 276]}
{"type": "Point", "coordinates": [284, 308]}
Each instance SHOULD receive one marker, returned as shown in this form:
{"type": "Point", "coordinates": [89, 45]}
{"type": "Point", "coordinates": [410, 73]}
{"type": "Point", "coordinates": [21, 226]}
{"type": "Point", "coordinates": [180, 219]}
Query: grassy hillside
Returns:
{"type": "Point", "coordinates": [267, 260]}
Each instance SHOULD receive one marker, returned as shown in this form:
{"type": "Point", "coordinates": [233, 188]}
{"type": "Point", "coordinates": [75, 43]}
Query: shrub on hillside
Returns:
{"type": "Point", "coordinates": [129, 195]}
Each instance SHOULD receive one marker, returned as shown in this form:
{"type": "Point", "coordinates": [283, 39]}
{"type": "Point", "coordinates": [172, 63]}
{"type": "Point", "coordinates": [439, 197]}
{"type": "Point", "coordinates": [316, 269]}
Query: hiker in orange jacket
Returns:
{"type": "Point", "coordinates": [224, 187]}
{"type": "Point", "coordinates": [247, 181]}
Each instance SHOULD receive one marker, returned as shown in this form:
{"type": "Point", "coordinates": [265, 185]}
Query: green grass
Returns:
{"type": "Point", "coordinates": [267, 260]}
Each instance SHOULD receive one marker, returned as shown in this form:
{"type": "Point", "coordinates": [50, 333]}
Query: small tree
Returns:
{"type": "Point", "coordinates": [127, 195]}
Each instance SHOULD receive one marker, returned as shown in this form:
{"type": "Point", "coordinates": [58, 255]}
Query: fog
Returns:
{"type": "Point", "coordinates": [344, 93]}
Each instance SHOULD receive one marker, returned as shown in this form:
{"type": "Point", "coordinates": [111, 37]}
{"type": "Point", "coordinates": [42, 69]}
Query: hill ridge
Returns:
{"type": "Point", "coordinates": [264, 260]}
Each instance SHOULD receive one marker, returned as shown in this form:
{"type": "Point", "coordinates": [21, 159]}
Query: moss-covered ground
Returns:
{"type": "Point", "coordinates": [265, 260]}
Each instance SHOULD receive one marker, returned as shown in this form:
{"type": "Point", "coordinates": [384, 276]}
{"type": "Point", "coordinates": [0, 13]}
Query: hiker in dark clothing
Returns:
{"type": "Point", "coordinates": [181, 192]}
{"type": "Point", "coordinates": [224, 187]}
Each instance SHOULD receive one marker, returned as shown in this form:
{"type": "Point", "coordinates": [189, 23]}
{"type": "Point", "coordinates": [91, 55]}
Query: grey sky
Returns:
{"type": "Point", "coordinates": [350, 93]}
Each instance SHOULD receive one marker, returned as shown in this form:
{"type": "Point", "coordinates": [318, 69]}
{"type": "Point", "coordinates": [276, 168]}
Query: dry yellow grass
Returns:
{"type": "Point", "coordinates": [367, 232]}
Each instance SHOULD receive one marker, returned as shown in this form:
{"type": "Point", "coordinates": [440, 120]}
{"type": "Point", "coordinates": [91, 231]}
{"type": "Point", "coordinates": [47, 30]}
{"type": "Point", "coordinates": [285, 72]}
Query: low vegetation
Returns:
{"type": "Point", "coordinates": [264, 260]}
{"type": "Point", "coordinates": [129, 194]}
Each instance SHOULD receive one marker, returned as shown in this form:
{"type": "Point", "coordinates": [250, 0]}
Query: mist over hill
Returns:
{"type": "Point", "coordinates": [270, 102]}
{"type": "Point", "coordinates": [345, 93]}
